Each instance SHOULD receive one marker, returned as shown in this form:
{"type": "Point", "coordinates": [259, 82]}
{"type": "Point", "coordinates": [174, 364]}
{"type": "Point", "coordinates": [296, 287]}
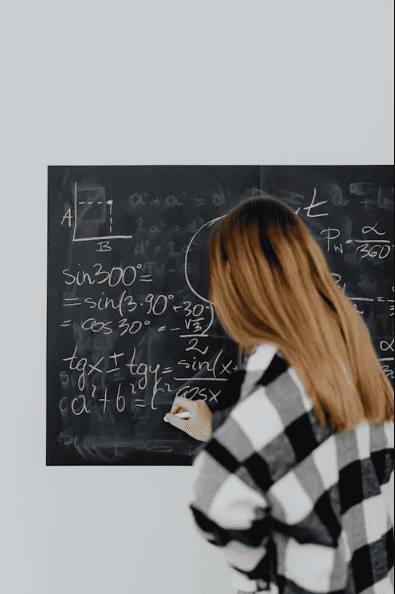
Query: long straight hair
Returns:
{"type": "Point", "coordinates": [269, 282]}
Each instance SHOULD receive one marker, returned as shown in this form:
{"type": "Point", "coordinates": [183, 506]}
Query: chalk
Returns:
{"type": "Point", "coordinates": [181, 415]}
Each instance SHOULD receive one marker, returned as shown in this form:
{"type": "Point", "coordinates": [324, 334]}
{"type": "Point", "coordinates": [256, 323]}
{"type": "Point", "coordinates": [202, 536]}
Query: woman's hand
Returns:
{"type": "Point", "coordinates": [198, 425]}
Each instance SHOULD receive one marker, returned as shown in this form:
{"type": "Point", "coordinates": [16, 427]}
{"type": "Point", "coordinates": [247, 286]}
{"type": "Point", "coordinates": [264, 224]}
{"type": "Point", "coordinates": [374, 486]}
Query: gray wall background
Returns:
{"type": "Point", "coordinates": [127, 82]}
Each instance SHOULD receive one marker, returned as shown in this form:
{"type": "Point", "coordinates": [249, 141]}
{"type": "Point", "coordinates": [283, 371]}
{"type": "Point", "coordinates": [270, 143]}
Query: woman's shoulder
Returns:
{"type": "Point", "coordinates": [264, 364]}
{"type": "Point", "coordinates": [263, 367]}
{"type": "Point", "coordinates": [271, 399]}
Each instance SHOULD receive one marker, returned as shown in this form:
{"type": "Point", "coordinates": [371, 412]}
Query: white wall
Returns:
{"type": "Point", "coordinates": [153, 82]}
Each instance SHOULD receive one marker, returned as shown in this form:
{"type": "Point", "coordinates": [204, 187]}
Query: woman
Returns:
{"type": "Point", "coordinates": [294, 479]}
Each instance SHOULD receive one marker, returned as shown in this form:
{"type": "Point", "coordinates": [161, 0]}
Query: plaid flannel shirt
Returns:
{"type": "Point", "coordinates": [296, 508]}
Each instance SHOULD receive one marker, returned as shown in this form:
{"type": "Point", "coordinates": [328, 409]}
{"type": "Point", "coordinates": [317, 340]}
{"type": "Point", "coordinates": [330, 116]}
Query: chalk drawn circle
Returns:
{"type": "Point", "coordinates": [171, 296]}
{"type": "Point", "coordinates": [147, 323]}
{"type": "Point", "coordinates": [208, 224]}
{"type": "Point", "coordinates": [139, 265]}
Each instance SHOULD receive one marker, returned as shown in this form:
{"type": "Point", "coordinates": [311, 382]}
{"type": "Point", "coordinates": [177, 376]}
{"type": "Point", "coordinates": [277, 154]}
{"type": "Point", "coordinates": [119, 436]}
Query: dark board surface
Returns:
{"type": "Point", "coordinates": [129, 324]}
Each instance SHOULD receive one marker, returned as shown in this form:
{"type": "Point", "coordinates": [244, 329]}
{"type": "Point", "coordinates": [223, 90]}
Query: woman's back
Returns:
{"type": "Point", "coordinates": [272, 475]}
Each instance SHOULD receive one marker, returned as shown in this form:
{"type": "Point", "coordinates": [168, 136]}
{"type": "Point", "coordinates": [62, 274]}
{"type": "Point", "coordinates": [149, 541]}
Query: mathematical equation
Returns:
{"type": "Point", "coordinates": [191, 318]}
{"type": "Point", "coordinates": [364, 247]}
{"type": "Point", "coordinates": [159, 379]}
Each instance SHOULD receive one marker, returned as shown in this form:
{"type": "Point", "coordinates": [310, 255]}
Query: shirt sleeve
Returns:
{"type": "Point", "coordinates": [232, 515]}
{"type": "Point", "coordinates": [228, 510]}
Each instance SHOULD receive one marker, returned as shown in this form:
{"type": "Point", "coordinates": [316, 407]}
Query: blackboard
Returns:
{"type": "Point", "coordinates": [129, 324]}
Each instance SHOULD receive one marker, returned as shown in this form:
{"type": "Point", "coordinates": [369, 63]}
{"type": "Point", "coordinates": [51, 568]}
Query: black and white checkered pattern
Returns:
{"type": "Point", "coordinates": [290, 502]}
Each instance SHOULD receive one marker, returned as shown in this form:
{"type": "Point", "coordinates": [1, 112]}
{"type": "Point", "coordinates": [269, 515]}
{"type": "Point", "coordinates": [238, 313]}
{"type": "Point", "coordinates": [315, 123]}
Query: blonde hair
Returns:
{"type": "Point", "coordinates": [270, 283]}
